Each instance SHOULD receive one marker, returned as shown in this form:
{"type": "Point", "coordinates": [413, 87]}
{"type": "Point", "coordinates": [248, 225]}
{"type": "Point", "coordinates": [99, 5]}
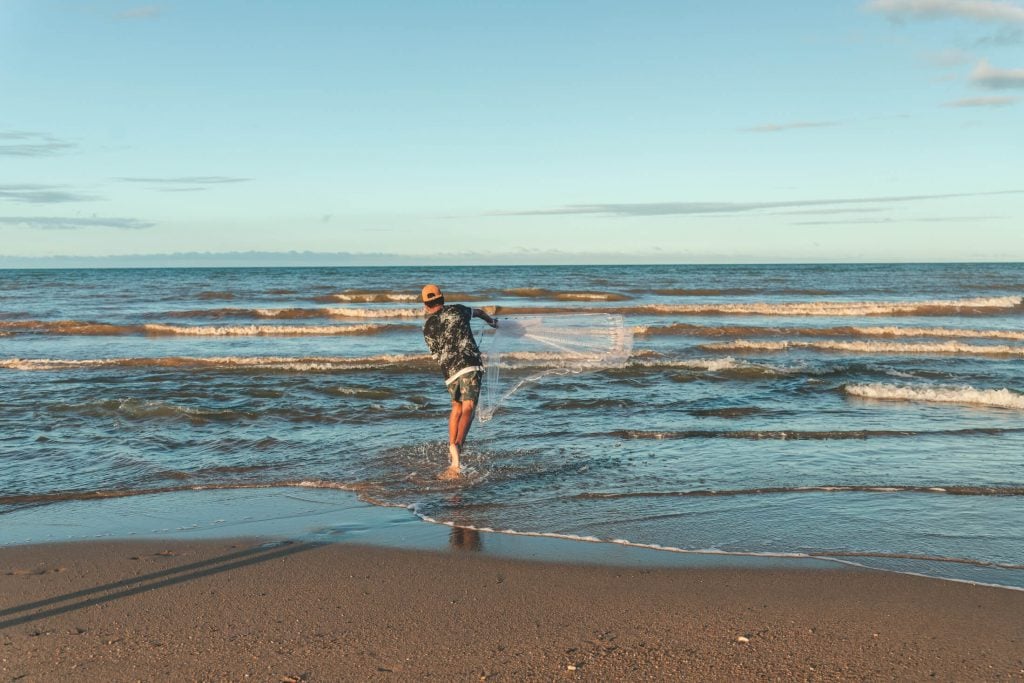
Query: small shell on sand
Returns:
{"type": "Point", "coordinates": [742, 639]}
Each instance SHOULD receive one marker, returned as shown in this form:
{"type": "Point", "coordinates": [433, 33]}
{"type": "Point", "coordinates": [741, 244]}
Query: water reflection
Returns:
{"type": "Point", "coordinates": [462, 538]}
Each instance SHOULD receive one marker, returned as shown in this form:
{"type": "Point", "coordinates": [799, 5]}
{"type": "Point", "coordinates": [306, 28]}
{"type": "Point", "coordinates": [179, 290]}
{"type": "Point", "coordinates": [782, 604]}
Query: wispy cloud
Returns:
{"type": "Point", "coordinates": [983, 102]}
{"type": "Point", "coordinates": [41, 194]}
{"type": "Point", "coordinates": [780, 127]}
{"type": "Point", "coordinates": [143, 12]}
{"type": "Point", "coordinates": [879, 221]}
{"type": "Point", "coordinates": [988, 76]}
{"type": "Point", "coordinates": [1004, 37]}
{"type": "Point", "coordinates": [64, 223]}
{"type": "Point", "coordinates": [185, 180]}
{"type": "Point", "coordinates": [977, 10]}
{"type": "Point", "coordinates": [16, 143]}
{"type": "Point", "coordinates": [707, 208]}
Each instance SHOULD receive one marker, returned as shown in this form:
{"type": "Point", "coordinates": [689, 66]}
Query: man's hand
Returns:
{"type": "Point", "coordinates": [482, 314]}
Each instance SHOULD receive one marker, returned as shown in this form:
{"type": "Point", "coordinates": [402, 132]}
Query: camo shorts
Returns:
{"type": "Point", "coordinates": [466, 387]}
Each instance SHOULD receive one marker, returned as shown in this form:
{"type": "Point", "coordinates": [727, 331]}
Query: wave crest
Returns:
{"type": "Point", "coordinates": [952, 307]}
{"type": "Point", "coordinates": [966, 395]}
{"type": "Point", "coordinates": [689, 329]}
{"type": "Point", "coordinates": [893, 348]}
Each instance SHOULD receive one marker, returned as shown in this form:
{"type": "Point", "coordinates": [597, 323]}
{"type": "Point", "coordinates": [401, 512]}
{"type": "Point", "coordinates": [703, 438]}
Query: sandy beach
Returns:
{"type": "Point", "coordinates": [299, 611]}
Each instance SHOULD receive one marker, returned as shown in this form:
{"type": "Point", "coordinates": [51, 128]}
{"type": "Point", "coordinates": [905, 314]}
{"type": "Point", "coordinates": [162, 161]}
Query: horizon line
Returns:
{"type": "Point", "coordinates": [265, 259]}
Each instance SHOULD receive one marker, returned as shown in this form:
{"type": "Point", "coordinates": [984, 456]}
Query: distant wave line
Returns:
{"type": "Point", "coordinates": [386, 296]}
{"type": "Point", "coordinates": [756, 331]}
{"type": "Point", "coordinates": [892, 348]}
{"type": "Point", "coordinates": [228, 362]}
{"type": "Point", "coordinates": [84, 328]}
{"type": "Point", "coordinates": [414, 361]}
{"type": "Point", "coordinates": [975, 306]}
{"type": "Point", "coordinates": [297, 313]}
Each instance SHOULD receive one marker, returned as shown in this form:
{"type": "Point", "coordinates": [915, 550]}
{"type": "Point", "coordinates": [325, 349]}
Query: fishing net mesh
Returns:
{"type": "Point", "coordinates": [525, 349]}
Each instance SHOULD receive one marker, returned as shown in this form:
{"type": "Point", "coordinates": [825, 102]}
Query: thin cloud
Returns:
{"type": "Point", "coordinates": [1005, 36]}
{"type": "Point", "coordinates": [63, 223]}
{"type": "Point", "coordinates": [977, 10]}
{"type": "Point", "coordinates": [820, 212]}
{"type": "Point", "coordinates": [17, 143]}
{"type": "Point", "coordinates": [987, 76]}
{"type": "Point", "coordinates": [144, 12]}
{"type": "Point", "coordinates": [779, 127]}
{"type": "Point", "coordinates": [186, 180]}
{"type": "Point", "coordinates": [705, 208]}
{"type": "Point", "coordinates": [983, 102]}
{"type": "Point", "coordinates": [880, 221]}
{"type": "Point", "coordinates": [41, 194]}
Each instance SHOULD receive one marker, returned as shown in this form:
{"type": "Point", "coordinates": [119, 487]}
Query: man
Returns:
{"type": "Point", "coordinates": [450, 340]}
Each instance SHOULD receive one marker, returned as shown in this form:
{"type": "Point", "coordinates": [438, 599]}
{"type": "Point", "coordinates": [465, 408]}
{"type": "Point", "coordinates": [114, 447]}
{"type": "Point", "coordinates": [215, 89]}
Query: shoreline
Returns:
{"type": "Point", "coordinates": [324, 587]}
{"type": "Point", "coordinates": [232, 609]}
{"type": "Point", "coordinates": [318, 514]}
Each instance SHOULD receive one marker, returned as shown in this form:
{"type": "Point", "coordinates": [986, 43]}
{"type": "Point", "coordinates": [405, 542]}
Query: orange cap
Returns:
{"type": "Point", "coordinates": [431, 293]}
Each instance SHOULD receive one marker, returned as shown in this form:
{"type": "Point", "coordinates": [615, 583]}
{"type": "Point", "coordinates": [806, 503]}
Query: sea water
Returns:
{"type": "Point", "coordinates": [872, 414]}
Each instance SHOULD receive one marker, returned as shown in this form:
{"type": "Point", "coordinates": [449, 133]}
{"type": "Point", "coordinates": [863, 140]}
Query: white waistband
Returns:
{"type": "Point", "coordinates": [462, 372]}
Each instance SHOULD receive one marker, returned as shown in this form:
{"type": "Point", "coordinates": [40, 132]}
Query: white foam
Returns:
{"type": "Point", "coordinates": [261, 330]}
{"type": "Point", "coordinates": [894, 348]}
{"type": "Point", "coordinates": [374, 312]}
{"type": "Point", "coordinates": [967, 395]}
{"type": "Point", "coordinates": [371, 297]}
{"type": "Point", "coordinates": [844, 308]}
{"type": "Point", "coordinates": [938, 332]}
{"type": "Point", "coordinates": [709, 365]}
{"type": "Point", "coordinates": [822, 556]}
{"type": "Point", "coordinates": [267, 362]}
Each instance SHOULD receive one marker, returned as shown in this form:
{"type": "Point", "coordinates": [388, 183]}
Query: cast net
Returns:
{"type": "Point", "coordinates": [525, 349]}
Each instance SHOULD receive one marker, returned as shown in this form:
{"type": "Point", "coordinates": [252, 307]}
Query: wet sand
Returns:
{"type": "Point", "coordinates": [297, 611]}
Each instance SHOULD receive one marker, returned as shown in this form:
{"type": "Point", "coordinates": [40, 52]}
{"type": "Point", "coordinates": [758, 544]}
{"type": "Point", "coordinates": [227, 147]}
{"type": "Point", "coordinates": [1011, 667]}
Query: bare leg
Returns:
{"type": "Point", "coordinates": [465, 422]}
{"type": "Point", "coordinates": [453, 422]}
{"type": "Point", "coordinates": [454, 419]}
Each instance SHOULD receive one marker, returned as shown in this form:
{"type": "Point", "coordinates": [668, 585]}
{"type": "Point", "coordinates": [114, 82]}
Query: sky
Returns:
{"type": "Point", "coordinates": [525, 131]}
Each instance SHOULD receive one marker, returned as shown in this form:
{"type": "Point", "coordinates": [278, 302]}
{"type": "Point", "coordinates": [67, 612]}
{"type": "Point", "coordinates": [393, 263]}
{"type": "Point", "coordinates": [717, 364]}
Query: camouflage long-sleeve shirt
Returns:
{"type": "Point", "coordinates": [450, 340]}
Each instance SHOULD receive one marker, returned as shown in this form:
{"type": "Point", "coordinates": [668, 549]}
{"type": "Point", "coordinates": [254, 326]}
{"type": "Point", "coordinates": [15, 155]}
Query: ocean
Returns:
{"type": "Point", "coordinates": [866, 414]}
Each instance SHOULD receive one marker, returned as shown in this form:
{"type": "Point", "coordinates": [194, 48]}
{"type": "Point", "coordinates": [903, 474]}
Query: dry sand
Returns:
{"type": "Point", "coordinates": [239, 610]}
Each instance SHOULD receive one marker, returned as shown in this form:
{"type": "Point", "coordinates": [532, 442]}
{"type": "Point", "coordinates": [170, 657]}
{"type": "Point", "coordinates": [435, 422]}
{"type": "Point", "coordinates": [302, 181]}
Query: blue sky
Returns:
{"type": "Point", "coordinates": [523, 130]}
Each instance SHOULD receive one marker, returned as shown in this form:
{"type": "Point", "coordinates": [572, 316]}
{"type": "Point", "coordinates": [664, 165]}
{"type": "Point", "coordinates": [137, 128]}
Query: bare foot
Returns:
{"type": "Point", "coordinates": [449, 474]}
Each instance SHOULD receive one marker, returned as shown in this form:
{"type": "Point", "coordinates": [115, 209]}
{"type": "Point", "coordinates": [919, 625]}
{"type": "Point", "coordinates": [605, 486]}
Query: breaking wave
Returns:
{"type": "Point", "coordinates": [297, 313]}
{"type": "Point", "coordinates": [293, 364]}
{"type": "Point", "coordinates": [688, 329]}
{"type": "Point", "coordinates": [267, 330]}
{"type": "Point", "coordinates": [382, 362]}
{"type": "Point", "coordinates": [953, 307]}
{"type": "Point", "coordinates": [965, 395]}
{"type": "Point", "coordinates": [892, 348]}
{"type": "Point", "coordinates": [727, 365]}
{"type": "Point", "coordinates": [75, 327]}
{"type": "Point", "coordinates": [540, 293]}
{"type": "Point", "coordinates": [368, 297]}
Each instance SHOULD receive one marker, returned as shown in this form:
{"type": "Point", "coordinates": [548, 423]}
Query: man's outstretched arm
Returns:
{"type": "Point", "coordinates": [482, 314]}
